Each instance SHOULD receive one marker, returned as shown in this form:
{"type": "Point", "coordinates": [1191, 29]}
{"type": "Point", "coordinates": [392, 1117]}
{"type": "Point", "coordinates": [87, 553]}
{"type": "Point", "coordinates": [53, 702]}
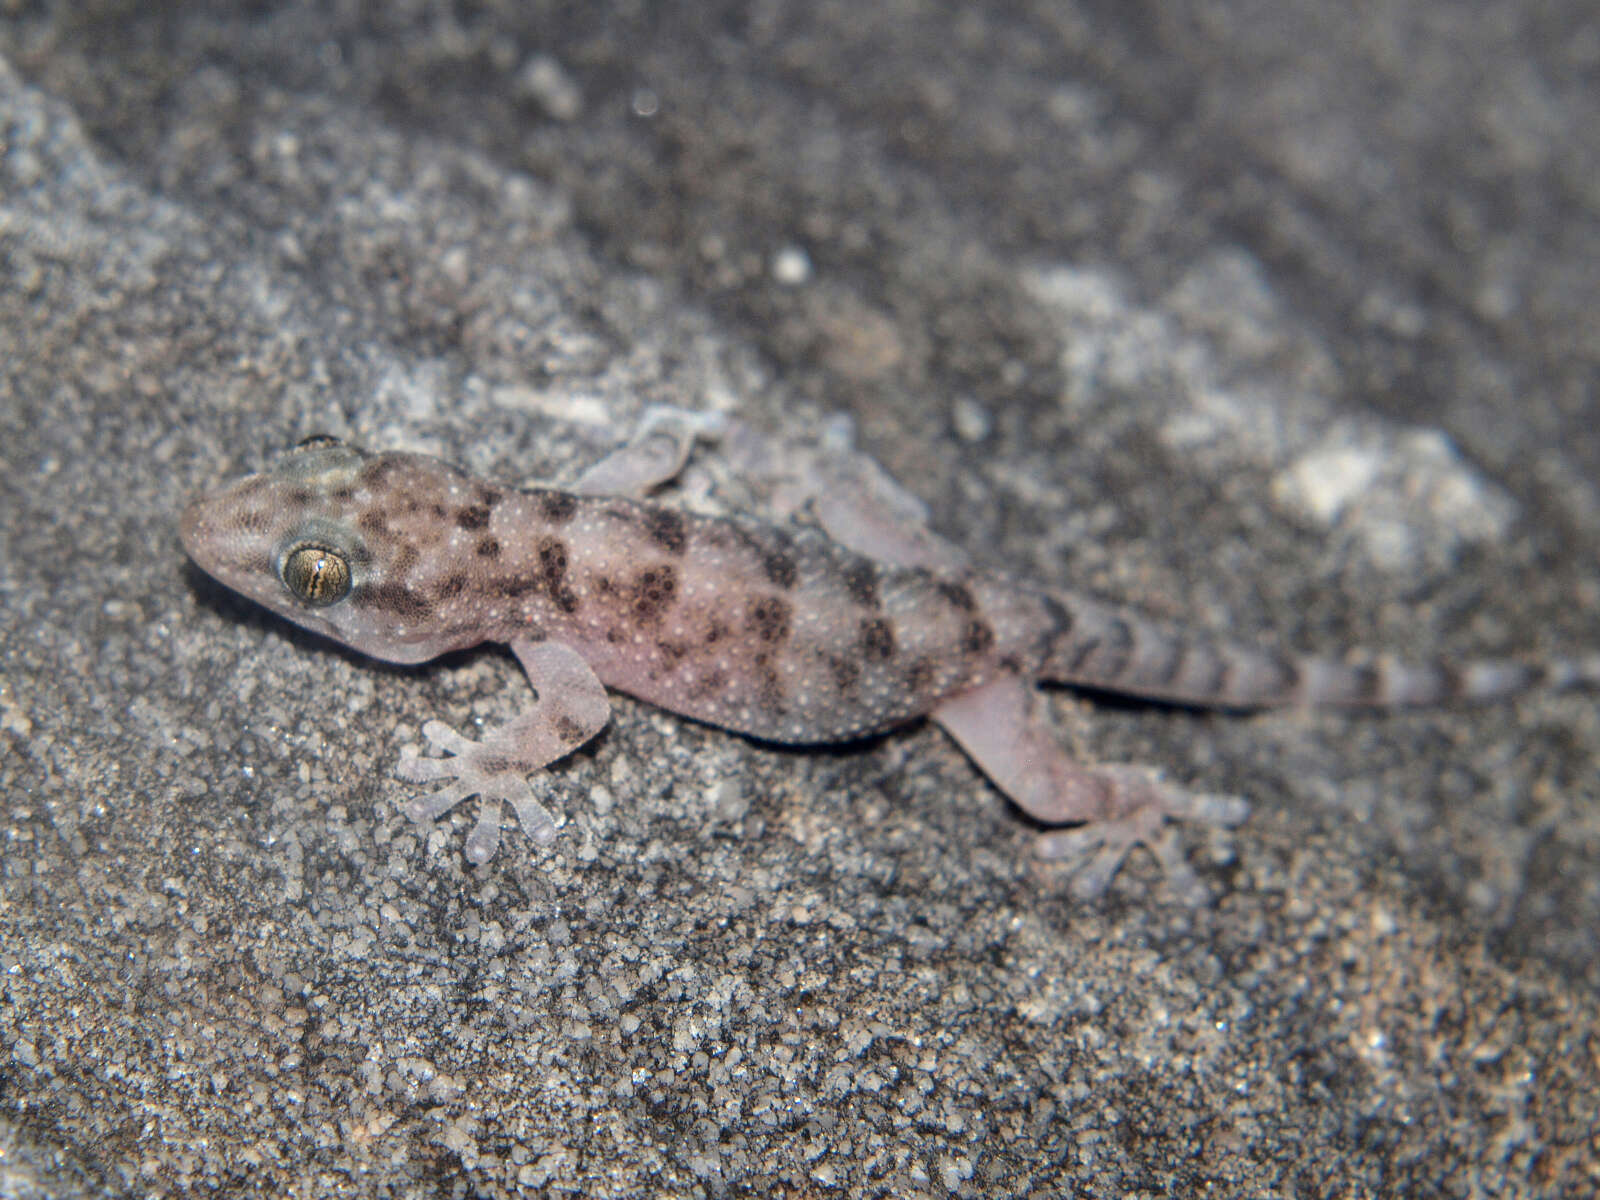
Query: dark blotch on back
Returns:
{"type": "Point", "coordinates": [861, 581]}
{"type": "Point", "coordinates": [474, 516]}
{"type": "Point", "coordinates": [770, 547]}
{"type": "Point", "coordinates": [489, 547]}
{"type": "Point", "coordinates": [877, 638]}
{"type": "Point", "coordinates": [846, 673]}
{"type": "Point", "coordinates": [666, 528]}
{"type": "Point", "coordinates": [552, 560]}
{"type": "Point", "coordinates": [557, 507]}
{"type": "Point", "coordinates": [553, 573]}
{"type": "Point", "coordinates": [654, 589]}
{"type": "Point", "coordinates": [956, 595]}
{"type": "Point", "coordinates": [977, 637]}
{"type": "Point", "coordinates": [769, 618]}
{"type": "Point", "coordinates": [920, 676]}
{"type": "Point", "coordinates": [780, 568]}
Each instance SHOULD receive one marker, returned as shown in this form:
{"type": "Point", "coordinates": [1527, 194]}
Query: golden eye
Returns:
{"type": "Point", "coordinates": [316, 575]}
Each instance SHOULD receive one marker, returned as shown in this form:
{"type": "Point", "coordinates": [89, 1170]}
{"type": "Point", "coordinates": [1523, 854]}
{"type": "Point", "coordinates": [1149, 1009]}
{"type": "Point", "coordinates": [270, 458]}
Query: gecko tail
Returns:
{"type": "Point", "coordinates": [1386, 683]}
{"type": "Point", "coordinates": [1101, 647]}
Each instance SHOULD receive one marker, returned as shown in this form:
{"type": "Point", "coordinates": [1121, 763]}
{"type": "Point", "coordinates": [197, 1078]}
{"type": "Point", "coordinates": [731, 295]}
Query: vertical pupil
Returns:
{"type": "Point", "coordinates": [317, 575]}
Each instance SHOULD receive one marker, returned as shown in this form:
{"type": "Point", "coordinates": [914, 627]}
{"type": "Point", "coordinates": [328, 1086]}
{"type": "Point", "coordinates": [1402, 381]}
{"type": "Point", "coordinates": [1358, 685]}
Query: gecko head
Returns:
{"type": "Point", "coordinates": [351, 545]}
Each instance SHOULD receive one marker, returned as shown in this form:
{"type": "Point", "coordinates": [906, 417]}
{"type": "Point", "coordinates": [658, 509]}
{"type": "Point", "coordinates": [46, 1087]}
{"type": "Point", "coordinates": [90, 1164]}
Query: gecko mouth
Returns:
{"type": "Point", "coordinates": [189, 527]}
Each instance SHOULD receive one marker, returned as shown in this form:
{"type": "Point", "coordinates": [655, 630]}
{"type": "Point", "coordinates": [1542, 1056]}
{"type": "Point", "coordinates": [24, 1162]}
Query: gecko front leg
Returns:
{"type": "Point", "coordinates": [570, 709]}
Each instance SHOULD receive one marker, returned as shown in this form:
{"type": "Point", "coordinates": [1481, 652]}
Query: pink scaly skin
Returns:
{"type": "Point", "coordinates": [784, 633]}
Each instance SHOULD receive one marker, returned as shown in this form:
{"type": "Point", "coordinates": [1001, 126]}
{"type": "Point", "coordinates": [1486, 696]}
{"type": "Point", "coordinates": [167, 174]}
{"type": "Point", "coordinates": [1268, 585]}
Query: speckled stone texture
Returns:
{"type": "Point", "coordinates": [1279, 319]}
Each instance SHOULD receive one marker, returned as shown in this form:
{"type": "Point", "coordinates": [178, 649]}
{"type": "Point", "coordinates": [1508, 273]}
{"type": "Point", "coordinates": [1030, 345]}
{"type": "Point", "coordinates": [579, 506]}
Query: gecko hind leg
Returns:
{"type": "Point", "coordinates": [570, 709]}
{"type": "Point", "coordinates": [653, 455]}
{"type": "Point", "coordinates": [1002, 727]}
{"type": "Point", "coordinates": [855, 501]}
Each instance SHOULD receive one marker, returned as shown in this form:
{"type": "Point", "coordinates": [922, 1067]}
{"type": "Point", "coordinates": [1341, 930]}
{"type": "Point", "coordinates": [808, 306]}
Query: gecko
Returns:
{"type": "Point", "coordinates": [847, 620]}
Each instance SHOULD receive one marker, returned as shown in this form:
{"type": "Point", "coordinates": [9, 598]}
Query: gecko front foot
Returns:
{"type": "Point", "coordinates": [570, 709]}
{"type": "Point", "coordinates": [489, 769]}
{"type": "Point", "coordinates": [1139, 805]}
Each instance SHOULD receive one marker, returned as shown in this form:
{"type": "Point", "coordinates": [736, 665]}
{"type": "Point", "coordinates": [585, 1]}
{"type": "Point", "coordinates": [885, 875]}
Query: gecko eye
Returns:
{"type": "Point", "coordinates": [316, 575]}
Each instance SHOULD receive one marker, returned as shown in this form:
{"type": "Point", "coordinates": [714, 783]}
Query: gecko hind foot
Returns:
{"type": "Point", "coordinates": [1005, 728]}
{"type": "Point", "coordinates": [1146, 805]}
{"type": "Point", "coordinates": [474, 769]}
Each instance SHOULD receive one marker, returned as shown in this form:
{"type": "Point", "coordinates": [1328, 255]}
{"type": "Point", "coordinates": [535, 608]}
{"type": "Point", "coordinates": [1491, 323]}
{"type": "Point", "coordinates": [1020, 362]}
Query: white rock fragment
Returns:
{"type": "Point", "coordinates": [546, 82]}
{"type": "Point", "coordinates": [791, 266]}
{"type": "Point", "coordinates": [1322, 484]}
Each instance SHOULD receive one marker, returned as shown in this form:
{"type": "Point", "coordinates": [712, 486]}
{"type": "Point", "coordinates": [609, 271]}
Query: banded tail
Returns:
{"type": "Point", "coordinates": [1101, 647]}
